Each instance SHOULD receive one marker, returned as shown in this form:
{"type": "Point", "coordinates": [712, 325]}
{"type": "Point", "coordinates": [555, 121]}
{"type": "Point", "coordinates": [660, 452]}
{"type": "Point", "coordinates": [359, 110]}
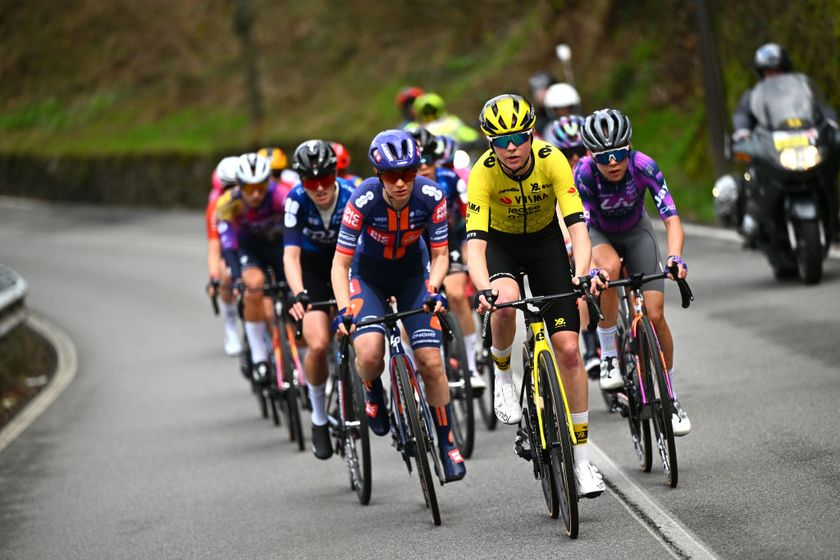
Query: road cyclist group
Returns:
{"type": "Point", "coordinates": [316, 272]}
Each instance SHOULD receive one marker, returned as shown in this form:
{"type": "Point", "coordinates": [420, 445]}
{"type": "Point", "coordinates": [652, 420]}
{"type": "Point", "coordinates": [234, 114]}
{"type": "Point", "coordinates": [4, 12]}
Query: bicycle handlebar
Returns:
{"type": "Point", "coordinates": [394, 317]}
{"type": "Point", "coordinates": [315, 306]}
{"type": "Point", "coordinates": [636, 281]}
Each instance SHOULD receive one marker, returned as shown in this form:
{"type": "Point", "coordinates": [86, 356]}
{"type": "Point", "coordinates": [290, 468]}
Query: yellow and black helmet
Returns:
{"type": "Point", "coordinates": [506, 114]}
{"type": "Point", "coordinates": [276, 156]}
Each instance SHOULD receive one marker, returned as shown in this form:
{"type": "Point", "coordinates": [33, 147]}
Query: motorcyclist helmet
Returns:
{"type": "Point", "coordinates": [561, 95]}
{"type": "Point", "coordinates": [771, 56]}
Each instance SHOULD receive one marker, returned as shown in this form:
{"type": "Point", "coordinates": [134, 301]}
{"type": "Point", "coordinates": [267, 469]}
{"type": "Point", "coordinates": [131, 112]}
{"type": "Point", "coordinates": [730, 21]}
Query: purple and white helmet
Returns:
{"type": "Point", "coordinates": [392, 150]}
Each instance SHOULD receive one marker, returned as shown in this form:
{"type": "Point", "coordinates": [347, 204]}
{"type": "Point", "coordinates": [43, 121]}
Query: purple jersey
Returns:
{"type": "Point", "coordinates": [236, 219]}
{"type": "Point", "coordinates": [618, 207]}
{"type": "Point", "coordinates": [384, 233]}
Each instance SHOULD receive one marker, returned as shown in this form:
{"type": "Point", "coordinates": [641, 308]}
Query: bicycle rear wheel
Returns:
{"type": "Point", "coordinates": [659, 399]}
{"type": "Point", "coordinates": [290, 393]}
{"type": "Point", "coordinates": [460, 389]}
{"type": "Point", "coordinates": [357, 436]}
{"type": "Point", "coordinates": [417, 432]}
{"type": "Point", "coordinates": [558, 434]}
{"type": "Point", "coordinates": [484, 365]}
{"type": "Point", "coordinates": [639, 427]}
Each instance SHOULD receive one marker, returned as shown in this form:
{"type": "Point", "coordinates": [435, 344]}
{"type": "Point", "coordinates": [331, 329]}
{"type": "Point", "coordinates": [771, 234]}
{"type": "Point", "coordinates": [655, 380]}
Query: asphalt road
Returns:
{"type": "Point", "coordinates": [156, 449]}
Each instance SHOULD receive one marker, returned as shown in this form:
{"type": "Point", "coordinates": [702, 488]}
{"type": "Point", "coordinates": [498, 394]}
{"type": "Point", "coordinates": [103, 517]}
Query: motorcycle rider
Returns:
{"type": "Point", "coordinates": [771, 59]}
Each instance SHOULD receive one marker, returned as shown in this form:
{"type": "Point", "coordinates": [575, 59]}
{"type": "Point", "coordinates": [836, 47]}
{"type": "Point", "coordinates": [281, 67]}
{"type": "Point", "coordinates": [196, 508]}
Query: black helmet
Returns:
{"type": "Point", "coordinates": [771, 56]}
{"type": "Point", "coordinates": [314, 158]}
{"type": "Point", "coordinates": [540, 81]}
{"type": "Point", "coordinates": [427, 145]}
{"type": "Point", "coordinates": [605, 130]}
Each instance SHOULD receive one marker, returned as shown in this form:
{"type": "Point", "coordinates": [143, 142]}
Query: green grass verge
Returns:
{"type": "Point", "coordinates": [26, 363]}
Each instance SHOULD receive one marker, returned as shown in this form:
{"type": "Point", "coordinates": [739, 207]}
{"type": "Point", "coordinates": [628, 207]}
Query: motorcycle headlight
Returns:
{"type": "Point", "coordinates": [788, 159]}
{"type": "Point", "coordinates": [809, 157]}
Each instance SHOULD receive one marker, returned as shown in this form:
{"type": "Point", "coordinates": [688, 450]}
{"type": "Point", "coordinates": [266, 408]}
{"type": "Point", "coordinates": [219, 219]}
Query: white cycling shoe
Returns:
{"type": "Point", "coordinates": [590, 483]}
{"type": "Point", "coordinates": [233, 345]}
{"type": "Point", "coordinates": [610, 374]}
{"type": "Point", "coordinates": [506, 403]}
{"type": "Point", "coordinates": [680, 420]}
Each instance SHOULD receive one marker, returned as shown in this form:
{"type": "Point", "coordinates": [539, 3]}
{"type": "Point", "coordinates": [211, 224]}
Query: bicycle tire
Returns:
{"type": "Point", "coordinates": [639, 427]}
{"type": "Point", "coordinates": [562, 459]}
{"type": "Point", "coordinates": [295, 425]}
{"type": "Point", "coordinates": [357, 440]}
{"type": "Point", "coordinates": [660, 401]}
{"type": "Point", "coordinates": [421, 439]}
{"type": "Point", "coordinates": [542, 468]}
{"type": "Point", "coordinates": [484, 365]}
{"type": "Point", "coordinates": [275, 413]}
{"type": "Point", "coordinates": [463, 410]}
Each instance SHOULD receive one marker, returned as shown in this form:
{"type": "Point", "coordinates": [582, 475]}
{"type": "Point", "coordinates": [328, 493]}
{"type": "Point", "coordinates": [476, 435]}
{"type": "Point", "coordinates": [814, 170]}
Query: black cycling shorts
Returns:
{"type": "Point", "coordinates": [542, 256]}
{"type": "Point", "coordinates": [315, 269]}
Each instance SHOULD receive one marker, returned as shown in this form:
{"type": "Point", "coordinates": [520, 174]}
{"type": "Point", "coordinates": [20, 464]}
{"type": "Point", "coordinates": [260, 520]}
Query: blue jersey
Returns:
{"type": "Point", "coordinates": [305, 227]}
{"type": "Point", "coordinates": [371, 228]}
{"type": "Point", "coordinates": [453, 188]}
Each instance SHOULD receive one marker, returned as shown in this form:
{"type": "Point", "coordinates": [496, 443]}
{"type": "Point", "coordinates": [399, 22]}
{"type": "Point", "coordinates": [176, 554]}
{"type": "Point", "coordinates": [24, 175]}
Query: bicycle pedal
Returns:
{"type": "Point", "coordinates": [519, 447]}
{"type": "Point", "coordinates": [458, 384]}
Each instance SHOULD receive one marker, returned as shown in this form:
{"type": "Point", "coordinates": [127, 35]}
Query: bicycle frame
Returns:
{"type": "Point", "coordinates": [539, 344]}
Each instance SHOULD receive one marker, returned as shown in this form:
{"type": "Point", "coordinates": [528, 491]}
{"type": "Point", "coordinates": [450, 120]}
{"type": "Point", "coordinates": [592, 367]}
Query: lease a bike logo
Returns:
{"type": "Point", "coordinates": [364, 199]}
{"type": "Point", "coordinates": [430, 191]}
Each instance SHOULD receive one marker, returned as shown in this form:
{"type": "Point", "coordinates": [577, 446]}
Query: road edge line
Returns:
{"type": "Point", "coordinates": [67, 364]}
{"type": "Point", "coordinates": [676, 538]}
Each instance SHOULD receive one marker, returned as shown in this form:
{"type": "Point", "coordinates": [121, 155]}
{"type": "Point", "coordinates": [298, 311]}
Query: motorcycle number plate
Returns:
{"type": "Point", "coordinates": [783, 139]}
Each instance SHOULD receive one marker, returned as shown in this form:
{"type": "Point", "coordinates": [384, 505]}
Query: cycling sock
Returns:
{"type": "Point", "coordinates": [440, 415]}
{"type": "Point", "coordinates": [256, 340]}
{"type": "Point", "coordinates": [469, 346]}
{"type": "Point", "coordinates": [501, 359]}
{"type": "Point", "coordinates": [607, 339]}
{"type": "Point", "coordinates": [228, 312]}
{"type": "Point", "coordinates": [671, 378]}
{"type": "Point", "coordinates": [318, 394]}
{"type": "Point", "coordinates": [580, 424]}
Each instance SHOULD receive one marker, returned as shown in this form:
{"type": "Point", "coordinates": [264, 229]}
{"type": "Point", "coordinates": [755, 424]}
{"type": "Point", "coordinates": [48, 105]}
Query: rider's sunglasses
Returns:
{"type": "Point", "coordinates": [407, 175]}
{"type": "Point", "coordinates": [578, 151]}
{"type": "Point", "coordinates": [619, 155]}
{"type": "Point", "coordinates": [517, 138]}
{"type": "Point", "coordinates": [250, 188]}
{"type": "Point", "coordinates": [312, 183]}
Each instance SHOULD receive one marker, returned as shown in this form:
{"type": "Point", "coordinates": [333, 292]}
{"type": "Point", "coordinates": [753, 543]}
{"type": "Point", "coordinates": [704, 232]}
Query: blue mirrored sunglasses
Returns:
{"type": "Point", "coordinates": [618, 155]}
{"type": "Point", "coordinates": [517, 138]}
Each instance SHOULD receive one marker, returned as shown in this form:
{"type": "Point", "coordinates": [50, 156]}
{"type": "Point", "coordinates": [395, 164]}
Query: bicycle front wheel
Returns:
{"type": "Point", "coordinates": [460, 389]}
{"type": "Point", "coordinates": [530, 419]}
{"type": "Point", "coordinates": [659, 398]}
{"type": "Point", "coordinates": [419, 434]}
{"type": "Point", "coordinates": [484, 365]}
{"type": "Point", "coordinates": [558, 436]}
{"type": "Point", "coordinates": [357, 436]}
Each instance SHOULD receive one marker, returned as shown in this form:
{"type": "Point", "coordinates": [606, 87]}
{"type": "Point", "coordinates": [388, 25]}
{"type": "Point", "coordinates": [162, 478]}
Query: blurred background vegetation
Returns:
{"type": "Point", "coordinates": [88, 80]}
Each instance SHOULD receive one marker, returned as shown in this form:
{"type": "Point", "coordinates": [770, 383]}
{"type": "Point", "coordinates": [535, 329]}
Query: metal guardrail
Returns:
{"type": "Point", "coordinates": [13, 290]}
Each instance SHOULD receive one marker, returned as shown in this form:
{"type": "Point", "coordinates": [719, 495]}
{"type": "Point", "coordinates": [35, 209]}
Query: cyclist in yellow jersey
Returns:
{"type": "Point", "coordinates": [512, 226]}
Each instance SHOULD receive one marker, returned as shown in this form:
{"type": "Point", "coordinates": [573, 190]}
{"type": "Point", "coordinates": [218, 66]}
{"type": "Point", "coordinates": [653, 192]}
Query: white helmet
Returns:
{"type": "Point", "coordinates": [561, 95]}
{"type": "Point", "coordinates": [226, 171]}
{"type": "Point", "coordinates": [253, 168]}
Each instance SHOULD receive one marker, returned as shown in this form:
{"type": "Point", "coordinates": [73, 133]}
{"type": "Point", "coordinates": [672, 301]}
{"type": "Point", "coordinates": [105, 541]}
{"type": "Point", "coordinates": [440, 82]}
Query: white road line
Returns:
{"type": "Point", "coordinates": [65, 372]}
{"type": "Point", "coordinates": [678, 540]}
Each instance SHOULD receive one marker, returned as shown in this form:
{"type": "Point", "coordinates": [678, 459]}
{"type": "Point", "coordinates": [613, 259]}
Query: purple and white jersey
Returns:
{"type": "Point", "coordinates": [617, 207]}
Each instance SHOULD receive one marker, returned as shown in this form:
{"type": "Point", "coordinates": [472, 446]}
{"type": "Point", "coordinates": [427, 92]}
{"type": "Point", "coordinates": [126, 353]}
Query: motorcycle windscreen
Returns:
{"type": "Point", "coordinates": [784, 102]}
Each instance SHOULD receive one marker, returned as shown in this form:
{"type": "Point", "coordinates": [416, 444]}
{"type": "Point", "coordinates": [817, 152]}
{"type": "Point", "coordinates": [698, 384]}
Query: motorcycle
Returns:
{"type": "Point", "coordinates": [788, 198]}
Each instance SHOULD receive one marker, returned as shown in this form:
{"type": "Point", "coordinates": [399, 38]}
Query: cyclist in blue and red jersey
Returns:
{"type": "Point", "coordinates": [224, 178]}
{"type": "Point", "coordinates": [431, 150]}
{"type": "Point", "coordinates": [313, 218]}
{"type": "Point", "coordinates": [612, 181]}
{"type": "Point", "coordinates": [250, 223]}
{"type": "Point", "coordinates": [381, 253]}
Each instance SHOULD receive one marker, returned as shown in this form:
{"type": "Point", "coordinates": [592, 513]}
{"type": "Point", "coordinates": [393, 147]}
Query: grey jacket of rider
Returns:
{"type": "Point", "coordinates": [743, 118]}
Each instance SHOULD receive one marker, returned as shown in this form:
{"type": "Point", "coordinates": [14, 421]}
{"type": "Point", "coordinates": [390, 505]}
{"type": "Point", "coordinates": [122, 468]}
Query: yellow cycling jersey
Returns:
{"type": "Point", "coordinates": [228, 206]}
{"type": "Point", "coordinates": [525, 204]}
